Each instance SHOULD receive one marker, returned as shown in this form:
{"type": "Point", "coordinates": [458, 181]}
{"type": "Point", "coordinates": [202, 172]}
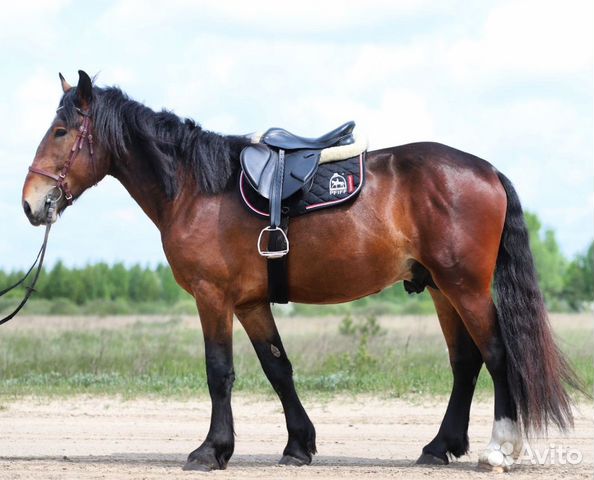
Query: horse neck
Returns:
{"type": "Point", "coordinates": [143, 187]}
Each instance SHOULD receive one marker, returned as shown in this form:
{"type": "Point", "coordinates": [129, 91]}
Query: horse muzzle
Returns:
{"type": "Point", "coordinates": [47, 210]}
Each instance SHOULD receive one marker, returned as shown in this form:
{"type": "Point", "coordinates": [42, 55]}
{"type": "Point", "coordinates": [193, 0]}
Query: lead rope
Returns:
{"type": "Point", "coordinates": [40, 256]}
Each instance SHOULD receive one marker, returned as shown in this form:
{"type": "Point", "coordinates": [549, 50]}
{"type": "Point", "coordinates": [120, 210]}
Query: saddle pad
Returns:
{"type": "Point", "coordinates": [333, 184]}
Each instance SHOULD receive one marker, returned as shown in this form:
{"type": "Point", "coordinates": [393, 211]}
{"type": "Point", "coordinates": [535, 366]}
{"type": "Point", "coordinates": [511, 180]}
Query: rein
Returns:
{"type": "Point", "coordinates": [31, 288]}
{"type": "Point", "coordinates": [84, 133]}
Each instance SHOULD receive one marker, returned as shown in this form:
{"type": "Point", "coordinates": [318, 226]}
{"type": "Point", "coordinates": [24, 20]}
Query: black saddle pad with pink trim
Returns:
{"type": "Point", "coordinates": [333, 184]}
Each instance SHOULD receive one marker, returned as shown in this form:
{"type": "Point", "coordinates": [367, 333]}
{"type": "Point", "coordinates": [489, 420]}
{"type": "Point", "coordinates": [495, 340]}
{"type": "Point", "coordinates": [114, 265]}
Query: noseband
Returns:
{"type": "Point", "coordinates": [84, 133]}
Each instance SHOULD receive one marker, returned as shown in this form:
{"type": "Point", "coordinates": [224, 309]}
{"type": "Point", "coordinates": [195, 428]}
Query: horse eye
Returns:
{"type": "Point", "coordinates": [60, 132]}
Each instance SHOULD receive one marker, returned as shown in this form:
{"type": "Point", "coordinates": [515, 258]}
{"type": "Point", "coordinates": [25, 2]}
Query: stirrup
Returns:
{"type": "Point", "coordinates": [269, 253]}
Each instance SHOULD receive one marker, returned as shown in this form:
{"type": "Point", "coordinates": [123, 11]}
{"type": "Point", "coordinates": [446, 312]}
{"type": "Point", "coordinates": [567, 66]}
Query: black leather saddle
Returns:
{"type": "Point", "coordinates": [280, 138]}
{"type": "Point", "coordinates": [283, 164]}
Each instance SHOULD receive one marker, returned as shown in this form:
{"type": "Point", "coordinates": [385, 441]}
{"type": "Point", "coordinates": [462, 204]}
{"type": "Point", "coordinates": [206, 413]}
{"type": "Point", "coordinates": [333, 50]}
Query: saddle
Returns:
{"type": "Point", "coordinates": [280, 167]}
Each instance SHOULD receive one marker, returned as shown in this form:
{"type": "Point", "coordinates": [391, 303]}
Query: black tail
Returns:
{"type": "Point", "coordinates": [536, 370]}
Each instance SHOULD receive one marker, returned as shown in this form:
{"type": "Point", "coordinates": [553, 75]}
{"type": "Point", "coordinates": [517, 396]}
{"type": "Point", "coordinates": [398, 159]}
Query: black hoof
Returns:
{"type": "Point", "coordinates": [199, 467]}
{"type": "Point", "coordinates": [205, 458]}
{"type": "Point", "coordinates": [428, 459]}
{"type": "Point", "coordinates": [294, 461]}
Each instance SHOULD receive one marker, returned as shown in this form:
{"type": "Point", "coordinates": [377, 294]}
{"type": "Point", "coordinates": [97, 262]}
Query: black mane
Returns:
{"type": "Point", "coordinates": [164, 140]}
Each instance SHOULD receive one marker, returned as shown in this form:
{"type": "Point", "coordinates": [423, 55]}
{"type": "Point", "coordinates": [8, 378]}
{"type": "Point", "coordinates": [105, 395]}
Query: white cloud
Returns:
{"type": "Point", "coordinates": [30, 24]}
{"type": "Point", "coordinates": [116, 75]}
{"type": "Point", "coordinates": [223, 122]}
{"type": "Point", "coordinates": [35, 103]}
{"type": "Point", "coordinates": [400, 116]}
{"type": "Point", "coordinates": [526, 37]}
{"type": "Point", "coordinates": [128, 215]}
{"type": "Point", "coordinates": [369, 66]}
{"type": "Point", "coordinates": [262, 16]}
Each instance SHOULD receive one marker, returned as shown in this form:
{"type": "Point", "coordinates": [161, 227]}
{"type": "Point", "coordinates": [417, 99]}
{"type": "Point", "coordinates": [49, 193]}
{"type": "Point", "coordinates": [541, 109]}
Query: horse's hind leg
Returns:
{"type": "Point", "coordinates": [217, 326]}
{"type": "Point", "coordinates": [468, 289]}
{"type": "Point", "coordinates": [261, 329]}
{"type": "Point", "coordinates": [466, 362]}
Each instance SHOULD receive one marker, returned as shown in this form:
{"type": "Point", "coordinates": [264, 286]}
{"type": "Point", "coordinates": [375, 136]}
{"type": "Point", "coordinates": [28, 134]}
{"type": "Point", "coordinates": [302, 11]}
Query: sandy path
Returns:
{"type": "Point", "coordinates": [148, 439]}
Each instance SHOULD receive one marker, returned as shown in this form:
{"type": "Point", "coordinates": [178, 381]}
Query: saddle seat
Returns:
{"type": "Point", "coordinates": [281, 138]}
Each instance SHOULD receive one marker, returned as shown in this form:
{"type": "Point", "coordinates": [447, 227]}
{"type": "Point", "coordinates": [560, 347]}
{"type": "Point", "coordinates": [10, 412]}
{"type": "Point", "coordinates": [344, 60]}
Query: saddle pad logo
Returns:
{"type": "Point", "coordinates": [338, 185]}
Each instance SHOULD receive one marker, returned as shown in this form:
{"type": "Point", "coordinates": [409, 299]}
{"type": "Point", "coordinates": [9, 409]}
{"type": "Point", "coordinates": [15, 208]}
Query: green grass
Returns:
{"type": "Point", "coordinates": [168, 359]}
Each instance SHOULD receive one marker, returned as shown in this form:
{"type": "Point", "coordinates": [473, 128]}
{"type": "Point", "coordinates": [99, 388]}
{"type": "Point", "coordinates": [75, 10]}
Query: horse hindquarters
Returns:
{"type": "Point", "coordinates": [513, 337]}
{"type": "Point", "coordinates": [459, 242]}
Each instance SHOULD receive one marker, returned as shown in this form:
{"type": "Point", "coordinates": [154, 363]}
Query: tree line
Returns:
{"type": "Point", "coordinates": [102, 281]}
{"type": "Point", "coordinates": [567, 285]}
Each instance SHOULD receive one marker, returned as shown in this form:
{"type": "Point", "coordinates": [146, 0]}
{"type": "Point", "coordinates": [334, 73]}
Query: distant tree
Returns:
{"type": "Point", "coordinates": [58, 282]}
{"type": "Point", "coordinates": [120, 281]}
{"type": "Point", "coordinates": [42, 282]}
{"type": "Point", "coordinates": [579, 280]}
{"type": "Point", "coordinates": [171, 292]}
{"type": "Point", "coordinates": [549, 260]}
{"type": "Point", "coordinates": [144, 285]}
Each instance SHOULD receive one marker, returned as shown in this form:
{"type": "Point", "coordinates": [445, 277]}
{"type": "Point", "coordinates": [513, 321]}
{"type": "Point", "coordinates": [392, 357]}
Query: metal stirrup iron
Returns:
{"type": "Point", "coordinates": [273, 253]}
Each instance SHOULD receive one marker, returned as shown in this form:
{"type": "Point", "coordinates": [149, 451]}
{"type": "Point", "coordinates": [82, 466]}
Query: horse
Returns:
{"type": "Point", "coordinates": [429, 214]}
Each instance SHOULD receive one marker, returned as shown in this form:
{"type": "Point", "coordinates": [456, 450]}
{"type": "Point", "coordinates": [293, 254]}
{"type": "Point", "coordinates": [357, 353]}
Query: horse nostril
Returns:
{"type": "Point", "coordinates": [27, 209]}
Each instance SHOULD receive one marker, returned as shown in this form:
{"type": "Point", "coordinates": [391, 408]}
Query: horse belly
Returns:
{"type": "Point", "coordinates": [341, 257]}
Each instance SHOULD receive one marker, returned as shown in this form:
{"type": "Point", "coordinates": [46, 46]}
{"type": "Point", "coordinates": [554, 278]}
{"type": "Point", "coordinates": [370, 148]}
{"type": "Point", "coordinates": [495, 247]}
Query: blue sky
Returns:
{"type": "Point", "coordinates": [509, 81]}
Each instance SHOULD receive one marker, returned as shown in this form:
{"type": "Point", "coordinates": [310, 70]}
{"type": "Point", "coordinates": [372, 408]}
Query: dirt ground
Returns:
{"type": "Point", "coordinates": [82, 437]}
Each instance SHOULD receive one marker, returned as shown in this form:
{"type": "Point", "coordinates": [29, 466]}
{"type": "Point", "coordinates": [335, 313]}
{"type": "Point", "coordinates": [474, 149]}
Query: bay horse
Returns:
{"type": "Point", "coordinates": [427, 211]}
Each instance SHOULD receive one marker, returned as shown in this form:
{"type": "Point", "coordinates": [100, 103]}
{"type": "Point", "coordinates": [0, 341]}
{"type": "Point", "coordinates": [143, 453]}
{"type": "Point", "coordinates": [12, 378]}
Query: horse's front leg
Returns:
{"type": "Point", "coordinates": [261, 328]}
{"type": "Point", "coordinates": [216, 317]}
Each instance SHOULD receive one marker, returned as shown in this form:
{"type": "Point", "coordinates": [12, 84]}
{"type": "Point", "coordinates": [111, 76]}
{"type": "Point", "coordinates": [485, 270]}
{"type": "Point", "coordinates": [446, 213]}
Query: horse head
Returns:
{"type": "Point", "coordinates": [67, 161]}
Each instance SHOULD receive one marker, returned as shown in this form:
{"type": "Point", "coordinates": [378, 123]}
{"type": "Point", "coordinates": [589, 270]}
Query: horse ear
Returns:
{"type": "Point", "coordinates": [84, 89]}
{"type": "Point", "coordinates": [65, 85]}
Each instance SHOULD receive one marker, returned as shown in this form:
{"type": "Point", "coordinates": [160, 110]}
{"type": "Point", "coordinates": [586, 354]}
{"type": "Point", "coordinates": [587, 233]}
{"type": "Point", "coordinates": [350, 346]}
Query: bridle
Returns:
{"type": "Point", "coordinates": [84, 133]}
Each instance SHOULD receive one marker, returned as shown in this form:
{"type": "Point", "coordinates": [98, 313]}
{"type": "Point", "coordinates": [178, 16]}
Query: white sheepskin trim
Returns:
{"type": "Point", "coordinates": [342, 152]}
{"type": "Point", "coordinates": [255, 137]}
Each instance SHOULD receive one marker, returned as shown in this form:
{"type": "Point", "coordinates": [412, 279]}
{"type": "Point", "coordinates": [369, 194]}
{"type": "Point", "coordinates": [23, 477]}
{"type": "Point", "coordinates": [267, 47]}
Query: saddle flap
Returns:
{"type": "Point", "coordinates": [300, 168]}
{"type": "Point", "coordinates": [255, 162]}
{"type": "Point", "coordinates": [306, 166]}
{"type": "Point", "coordinates": [258, 163]}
